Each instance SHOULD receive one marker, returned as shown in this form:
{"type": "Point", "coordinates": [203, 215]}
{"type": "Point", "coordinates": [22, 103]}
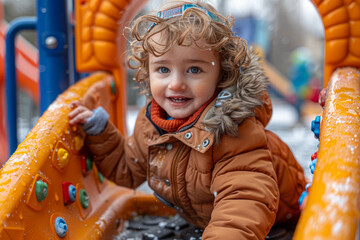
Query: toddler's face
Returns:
{"type": "Point", "coordinates": [183, 79]}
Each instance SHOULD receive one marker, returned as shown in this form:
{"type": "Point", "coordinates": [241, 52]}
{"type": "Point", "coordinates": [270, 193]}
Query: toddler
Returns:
{"type": "Point", "coordinates": [200, 142]}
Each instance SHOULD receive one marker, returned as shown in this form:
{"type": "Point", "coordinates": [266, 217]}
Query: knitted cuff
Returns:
{"type": "Point", "coordinates": [96, 124]}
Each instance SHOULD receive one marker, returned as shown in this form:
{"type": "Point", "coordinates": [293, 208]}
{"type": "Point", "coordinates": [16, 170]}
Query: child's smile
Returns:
{"type": "Point", "coordinates": [179, 100]}
{"type": "Point", "coordinates": [183, 79]}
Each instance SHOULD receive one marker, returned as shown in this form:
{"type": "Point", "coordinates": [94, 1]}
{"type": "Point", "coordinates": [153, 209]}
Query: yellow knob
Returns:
{"type": "Point", "coordinates": [79, 142]}
{"type": "Point", "coordinates": [63, 157]}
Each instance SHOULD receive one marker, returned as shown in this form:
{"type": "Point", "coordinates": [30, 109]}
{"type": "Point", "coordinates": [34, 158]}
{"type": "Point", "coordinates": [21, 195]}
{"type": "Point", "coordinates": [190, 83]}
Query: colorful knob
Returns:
{"type": "Point", "coordinates": [113, 87]}
{"type": "Point", "coordinates": [313, 165]}
{"type": "Point", "coordinates": [72, 193]}
{"type": "Point", "coordinates": [315, 126]}
{"type": "Point", "coordinates": [69, 192]}
{"type": "Point", "coordinates": [89, 163]}
{"type": "Point", "coordinates": [100, 177]}
{"type": "Point", "coordinates": [79, 143]}
{"type": "Point", "coordinates": [41, 190]}
{"type": "Point", "coordinates": [314, 156]}
{"type": "Point", "coordinates": [86, 164]}
{"type": "Point", "coordinates": [84, 198]}
{"type": "Point", "coordinates": [322, 97]}
{"type": "Point", "coordinates": [62, 157]}
{"type": "Point", "coordinates": [302, 197]}
{"type": "Point", "coordinates": [61, 227]}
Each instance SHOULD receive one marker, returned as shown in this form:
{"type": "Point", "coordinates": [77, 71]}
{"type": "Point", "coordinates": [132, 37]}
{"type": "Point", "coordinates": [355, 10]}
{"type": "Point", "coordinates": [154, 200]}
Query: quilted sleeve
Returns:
{"type": "Point", "coordinates": [121, 160]}
{"type": "Point", "coordinates": [245, 185]}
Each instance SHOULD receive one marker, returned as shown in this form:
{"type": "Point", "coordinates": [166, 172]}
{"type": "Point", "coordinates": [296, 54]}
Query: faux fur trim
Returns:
{"type": "Point", "coordinates": [246, 96]}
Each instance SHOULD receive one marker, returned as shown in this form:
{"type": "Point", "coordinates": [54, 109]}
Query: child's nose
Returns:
{"type": "Point", "coordinates": [177, 83]}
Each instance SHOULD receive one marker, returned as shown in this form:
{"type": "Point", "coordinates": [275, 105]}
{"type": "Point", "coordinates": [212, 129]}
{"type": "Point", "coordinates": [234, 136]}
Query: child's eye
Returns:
{"type": "Point", "coordinates": [163, 70]}
{"type": "Point", "coordinates": [194, 70]}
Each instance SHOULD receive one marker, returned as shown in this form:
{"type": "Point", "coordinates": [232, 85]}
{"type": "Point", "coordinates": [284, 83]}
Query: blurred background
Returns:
{"type": "Point", "coordinates": [290, 36]}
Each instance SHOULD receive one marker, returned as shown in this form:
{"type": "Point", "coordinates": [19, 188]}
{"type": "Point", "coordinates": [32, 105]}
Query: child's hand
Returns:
{"type": "Point", "coordinates": [79, 114]}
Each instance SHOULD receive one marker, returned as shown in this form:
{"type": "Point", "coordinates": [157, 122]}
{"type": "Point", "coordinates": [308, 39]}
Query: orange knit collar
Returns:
{"type": "Point", "coordinates": [158, 116]}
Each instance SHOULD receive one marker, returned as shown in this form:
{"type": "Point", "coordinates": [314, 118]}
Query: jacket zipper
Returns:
{"type": "Point", "coordinates": [173, 178]}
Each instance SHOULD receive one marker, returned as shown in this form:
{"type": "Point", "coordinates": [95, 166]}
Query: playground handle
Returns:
{"type": "Point", "coordinates": [19, 24]}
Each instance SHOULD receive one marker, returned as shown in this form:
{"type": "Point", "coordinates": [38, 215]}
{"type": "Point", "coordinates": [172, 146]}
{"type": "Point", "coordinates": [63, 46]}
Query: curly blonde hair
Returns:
{"type": "Point", "coordinates": [185, 30]}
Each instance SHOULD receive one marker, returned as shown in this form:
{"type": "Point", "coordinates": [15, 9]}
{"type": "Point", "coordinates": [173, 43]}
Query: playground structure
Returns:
{"type": "Point", "coordinates": [49, 185]}
{"type": "Point", "coordinates": [27, 77]}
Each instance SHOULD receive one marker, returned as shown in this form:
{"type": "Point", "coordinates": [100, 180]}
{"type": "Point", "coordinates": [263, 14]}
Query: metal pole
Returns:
{"type": "Point", "coordinates": [23, 23]}
{"type": "Point", "coordinates": [53, 50]}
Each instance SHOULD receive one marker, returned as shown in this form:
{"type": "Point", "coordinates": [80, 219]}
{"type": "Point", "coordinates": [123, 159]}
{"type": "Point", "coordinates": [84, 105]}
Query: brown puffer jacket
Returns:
{"type": "Point", "coordinates": [235, 187]}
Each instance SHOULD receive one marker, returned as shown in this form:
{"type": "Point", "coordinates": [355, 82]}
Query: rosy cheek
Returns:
{"type": "Point", "coordinates": [156, 89]}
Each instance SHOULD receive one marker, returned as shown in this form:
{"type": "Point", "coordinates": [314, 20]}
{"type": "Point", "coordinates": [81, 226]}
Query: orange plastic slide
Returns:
{"type": "Point", "coordinates": [49, 178]}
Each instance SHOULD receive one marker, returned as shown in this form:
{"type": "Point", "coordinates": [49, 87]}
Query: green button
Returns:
{"type": "Point", "coordinates": [84, 198]}
{"type": "Point", "coordinates": [101, 177]}
{"type": "Point", "coordinates": [113, 87]}
{"type": "Point", "coordinates": [89, 163]}
{"type": "Point", "coordinates": [41, 190]}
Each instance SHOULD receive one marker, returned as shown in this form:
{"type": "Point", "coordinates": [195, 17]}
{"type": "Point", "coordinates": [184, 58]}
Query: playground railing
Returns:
{"type": "Point", "coordinates": [332, 208]}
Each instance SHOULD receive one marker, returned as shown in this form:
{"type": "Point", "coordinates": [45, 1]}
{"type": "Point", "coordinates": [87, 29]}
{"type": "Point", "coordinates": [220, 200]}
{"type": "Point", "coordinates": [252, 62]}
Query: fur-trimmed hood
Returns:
{"type": "Point", "coordinates": [246, 98]}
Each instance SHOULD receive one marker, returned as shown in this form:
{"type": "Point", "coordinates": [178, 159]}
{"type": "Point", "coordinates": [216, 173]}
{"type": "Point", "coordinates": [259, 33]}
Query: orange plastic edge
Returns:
{"type": "Point", "coordinates": [332, 208]}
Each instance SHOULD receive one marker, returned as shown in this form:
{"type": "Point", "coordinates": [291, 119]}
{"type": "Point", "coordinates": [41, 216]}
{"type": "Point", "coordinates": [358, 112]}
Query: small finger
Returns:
{"type": "Point", "coordinates": [74, 104]}
{"type": "Point", "coordinates": [81, 118]}
{"type": "Point", "coordinates": [76, 111]}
